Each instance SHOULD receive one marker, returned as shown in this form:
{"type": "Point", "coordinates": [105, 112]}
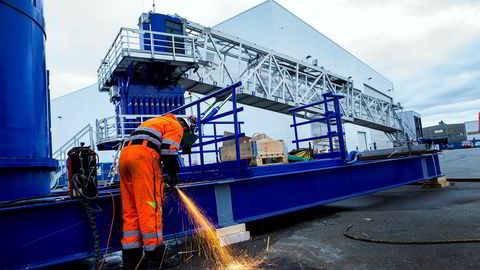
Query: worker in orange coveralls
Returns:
{"type": "Point", "coordinates": [154, 142]}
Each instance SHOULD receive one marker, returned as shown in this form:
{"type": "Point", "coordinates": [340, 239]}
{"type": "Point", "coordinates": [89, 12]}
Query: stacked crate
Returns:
{"type": "Point", "coordinates": [259, 150]}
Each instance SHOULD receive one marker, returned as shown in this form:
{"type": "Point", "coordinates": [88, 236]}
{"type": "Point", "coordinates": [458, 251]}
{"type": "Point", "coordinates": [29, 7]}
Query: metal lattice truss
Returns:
{"type": "Point", "coordinates": [270, 80]}
{"type": "Point", "coordinates": [278, 82]}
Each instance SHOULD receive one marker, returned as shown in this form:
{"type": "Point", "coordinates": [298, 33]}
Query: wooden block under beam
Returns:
{"type": "Point", "coordinates": [234, 238]}
{"type": "Point", "coordinates": [238, 228]}
{"type": "Point", "coordinates": [438, 182]}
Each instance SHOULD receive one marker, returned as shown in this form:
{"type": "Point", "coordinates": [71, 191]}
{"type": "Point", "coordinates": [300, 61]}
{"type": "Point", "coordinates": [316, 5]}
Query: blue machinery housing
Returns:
{"type": "Point", "coordinates": [42, 228]}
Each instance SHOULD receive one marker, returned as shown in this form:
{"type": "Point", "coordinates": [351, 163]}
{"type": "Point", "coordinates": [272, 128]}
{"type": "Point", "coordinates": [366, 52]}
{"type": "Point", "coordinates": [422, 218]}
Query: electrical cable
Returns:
{"type": "Point", "coordinates": [90, 186]}
{"type": "Point", "coordinates": [140, 262]}
{"type": "Point", "coordinates": [96, 236]}
{"type": "Point", "coordinates": [33, 200]}
{"type": "Point", "coordinates": [110, 233]}
{"type": "Point", "coordinates": [414, 242]}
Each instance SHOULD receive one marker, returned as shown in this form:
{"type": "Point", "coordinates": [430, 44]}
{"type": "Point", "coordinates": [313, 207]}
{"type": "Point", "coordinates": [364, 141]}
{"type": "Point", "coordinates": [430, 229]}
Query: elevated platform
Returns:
{"type": "Point", "coordinates": [205, 60]}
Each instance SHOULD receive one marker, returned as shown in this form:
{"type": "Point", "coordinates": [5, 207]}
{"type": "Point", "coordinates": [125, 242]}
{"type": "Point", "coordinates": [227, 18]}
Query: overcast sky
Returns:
{"type": "Point", "coordinates": [430, 49]}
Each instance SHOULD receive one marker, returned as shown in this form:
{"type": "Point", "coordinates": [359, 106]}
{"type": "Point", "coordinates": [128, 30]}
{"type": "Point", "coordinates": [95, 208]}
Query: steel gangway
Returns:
{"type": "Point", "coordinates": [205, 59]}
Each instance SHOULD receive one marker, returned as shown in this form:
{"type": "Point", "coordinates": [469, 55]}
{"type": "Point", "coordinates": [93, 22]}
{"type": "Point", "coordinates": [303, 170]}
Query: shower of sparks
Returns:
{"type": "Point", "coordinates": [223, 257]}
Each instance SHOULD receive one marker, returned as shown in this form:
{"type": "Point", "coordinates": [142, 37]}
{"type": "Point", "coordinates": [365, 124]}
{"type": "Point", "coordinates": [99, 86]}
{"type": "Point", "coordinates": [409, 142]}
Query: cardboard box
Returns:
{"type": "Point", "coordinates": [250, 149]}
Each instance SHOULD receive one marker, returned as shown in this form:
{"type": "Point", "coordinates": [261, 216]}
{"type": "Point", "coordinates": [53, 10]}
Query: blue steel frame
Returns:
{"type": "Point", "coordinates": [210, 120]}
{"type": "Point", "coordinates": [54, 229]}
{"type": "Point", "coordinates": [330, 118]}
{"type": "Point", "coordinates": [216, 136]}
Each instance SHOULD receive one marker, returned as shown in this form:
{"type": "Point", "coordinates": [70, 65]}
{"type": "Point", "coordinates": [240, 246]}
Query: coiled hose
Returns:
{"type": "Point", "coordinates": [84, 184]}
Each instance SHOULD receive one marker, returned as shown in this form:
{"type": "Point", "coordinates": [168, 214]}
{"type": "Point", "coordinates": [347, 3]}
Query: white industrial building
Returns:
{"type": "Point", "coordinates": [473, 130]}
{"type": "Point", "coordinates": [412, 121]}
{"type": "Point", "coordinates": [74, 111]}
{"type": "Point", "coordinates": [274, 27]}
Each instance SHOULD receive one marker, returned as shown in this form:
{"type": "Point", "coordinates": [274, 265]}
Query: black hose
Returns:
{"type": "Point", "coordinates": [414, 242]}
{"type": "Point", "coordinates": [95, 235]}
{"type": "Point", "coordinates": [32, 200]}
{"type": "Point", "coordinates": [84, 184]}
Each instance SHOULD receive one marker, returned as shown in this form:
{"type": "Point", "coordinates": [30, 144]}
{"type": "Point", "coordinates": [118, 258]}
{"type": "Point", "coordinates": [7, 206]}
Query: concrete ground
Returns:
{"type": "Point", "coordinates": [461, 163]}
{"type": "Point", "coordinates": [313, 239]}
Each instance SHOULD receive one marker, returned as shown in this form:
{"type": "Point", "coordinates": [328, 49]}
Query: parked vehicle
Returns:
{"type": "Point", "coordinates": [477, 144]}
{"type": "Point", "coordinates": [467, 144]}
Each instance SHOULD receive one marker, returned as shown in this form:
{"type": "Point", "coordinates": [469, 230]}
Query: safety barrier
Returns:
{"type": "Point", "coordinates": [229, 91]}
{"type": "Point", "coordinates": [117, 128]}
{"type": "Point", "coordinates": [136, 43]}
{"type": "Point", "coordinates": [330, 118]}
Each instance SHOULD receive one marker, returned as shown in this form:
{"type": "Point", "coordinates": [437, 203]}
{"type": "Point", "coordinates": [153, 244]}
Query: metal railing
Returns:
{"type": "Point", "coordinates": [267, 76]}
{"type": "Point", "coordinates": [330, 118]}
{"type": "Point", "coordinates": [61, 154]}
{"type": "Point", "coordinates": [237, 134]}
{"type": "Point", "coordinates": [118, 127]}
{"type": "Point", "coordinates": [138, 43]}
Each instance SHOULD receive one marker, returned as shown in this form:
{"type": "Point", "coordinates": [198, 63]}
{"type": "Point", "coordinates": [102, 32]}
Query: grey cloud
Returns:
{"type": "Point", "coordinates": [423, 66]}
{"type": "Point", "coordinates": [432, 70]}
{"type": "Point", "coordinates": [447, 83]}
{"type": "Point", "coordinates": [418, 7]}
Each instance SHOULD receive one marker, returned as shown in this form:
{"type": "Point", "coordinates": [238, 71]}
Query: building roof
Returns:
{"type": "Point", "coordinates": [79, 91]}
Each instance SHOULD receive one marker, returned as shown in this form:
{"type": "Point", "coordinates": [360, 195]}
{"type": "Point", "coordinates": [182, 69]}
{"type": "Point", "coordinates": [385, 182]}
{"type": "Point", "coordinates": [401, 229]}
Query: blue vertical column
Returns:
{"type": "Point", "coordinates": [200, 134]}
{"type": "Point", "coordinates": [340, 133]}
{"type": "Point", "coordinates": [235, 124]}
{"type": "Point", "coordinates": [327, 121]}
{"type": "Point", "coordinates": [215, 138]}
{"type": "Point", "coordinates": [295, 129]}
{"type": "Point", "coordinates": [25, 149]}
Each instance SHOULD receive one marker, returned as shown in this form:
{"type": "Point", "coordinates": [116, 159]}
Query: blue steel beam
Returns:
{"type": "Point", "coordinates": [57, 230]}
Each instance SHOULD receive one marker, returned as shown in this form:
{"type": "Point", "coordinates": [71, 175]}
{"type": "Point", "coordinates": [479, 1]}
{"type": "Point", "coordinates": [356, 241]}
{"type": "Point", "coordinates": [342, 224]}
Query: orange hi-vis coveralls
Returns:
{"type": "Point", "coordinates": [141, 180]}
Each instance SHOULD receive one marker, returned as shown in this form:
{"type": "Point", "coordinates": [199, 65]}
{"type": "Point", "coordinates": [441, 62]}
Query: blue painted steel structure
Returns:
{"type": "Point", "coordinates": [331, 118]}
{"type": "Point", "coordinates": [53, 228]}
{"type": "Point", "coordinates": [148, 89]}
{"type": "Point", "coordinates": [229, 192]}
{"type": "Point", "coordinates": [25, 148]}
{"type": "Point", "coordinates": [165, 24]}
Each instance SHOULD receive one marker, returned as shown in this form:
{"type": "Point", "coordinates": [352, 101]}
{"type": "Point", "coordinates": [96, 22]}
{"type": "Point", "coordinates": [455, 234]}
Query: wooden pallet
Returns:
{"type": "Point", "coordinates": [269, 159]}
{"type": "Point", "coordinates": [438, 182]}
{"type": "Point", "coordinates": [262, 152]}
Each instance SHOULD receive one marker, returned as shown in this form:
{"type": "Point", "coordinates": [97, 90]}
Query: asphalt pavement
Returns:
{"type": "Point", "coordinates": [461, 163]}
{"type": "Point", "coordinates": [313, 238]}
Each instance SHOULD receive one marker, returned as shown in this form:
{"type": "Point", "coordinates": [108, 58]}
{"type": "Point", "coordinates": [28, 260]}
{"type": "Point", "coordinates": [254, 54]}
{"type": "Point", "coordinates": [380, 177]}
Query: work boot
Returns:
{"type": "Point", "coordinates": [131, 258]}
{"type": "Point", "coordinates": [157, 260]}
